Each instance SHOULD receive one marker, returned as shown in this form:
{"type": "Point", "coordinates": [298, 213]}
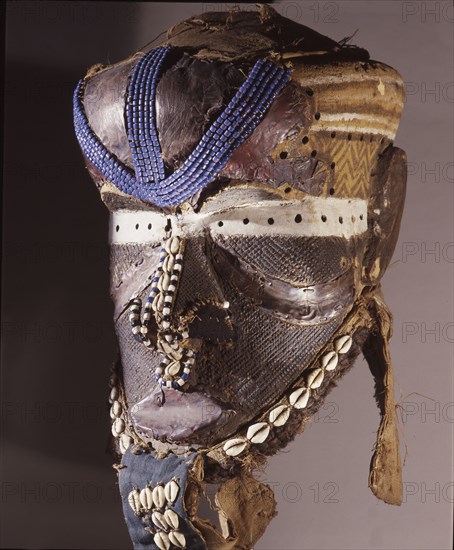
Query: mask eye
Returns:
{"type": "Point", "coordinates": [304, 304]}
{"type": "Point", "coordinates": [295, 260]}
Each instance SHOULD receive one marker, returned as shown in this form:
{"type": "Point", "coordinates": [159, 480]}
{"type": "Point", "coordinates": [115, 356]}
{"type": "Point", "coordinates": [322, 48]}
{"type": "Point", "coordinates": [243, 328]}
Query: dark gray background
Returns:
{"type": "Point", "coordinates": [57, 486]}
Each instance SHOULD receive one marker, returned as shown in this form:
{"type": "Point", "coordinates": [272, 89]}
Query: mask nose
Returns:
{"type": "Point", "coordinates": [200, 302]}
{"type": "Point", "coordinates": [176, 360]}
{"type": "Point", "coordinates": [184, 293]}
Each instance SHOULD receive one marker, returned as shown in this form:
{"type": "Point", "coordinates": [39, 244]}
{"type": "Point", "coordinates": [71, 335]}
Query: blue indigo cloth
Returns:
{"type": "Point", "coordinates": [142, 470]}
{"type": "Point", "coordinates": [149, 182]}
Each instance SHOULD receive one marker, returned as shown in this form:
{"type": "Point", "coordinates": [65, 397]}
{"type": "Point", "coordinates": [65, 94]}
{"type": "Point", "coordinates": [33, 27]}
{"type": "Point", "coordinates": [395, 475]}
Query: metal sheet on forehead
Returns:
{"type": "Point", "coordinates": [313, 217]}
{"type": "Point", "coordinates": [230, 129]}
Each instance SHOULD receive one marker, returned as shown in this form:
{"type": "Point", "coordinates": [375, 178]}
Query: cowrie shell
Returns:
{"type": "Point", "coordinates": [162, 540]}
{"type": "Point", "coordinates": [125, 442]}
{"type": "Point", "coordinates": [175, 354]}
{"type": "Point", "coordinates": [134, 500]}
{"type": "Point", "coordinates": [173, 368]}
{"type": "Point", "coordinates": [174, 245]}
{"type": "Point", "coordinates": [171, 491]}
{"type": "Point", "coordinates": [159, 498]}
{"type": "Point", "coordinates": [257, 433]}
{"type": "Point", "coordinates": [159, 520]}
{"type": "Point", "coordinates": [343, 343]}
{"type": "Point", "coordinates": [330, 360]}
{"type": "Point", "coordinates": [116, 408]}
{"type": "Point", "coordinates": [118, 427]}
{"type": "Point", "coordinates": [315, 378]}
{"type": "Point", "coordinates": [234, 447]}
{"type": "Point", "coordinates": [300, 397]}
{"type": "Point", "coordinates": [164, 282]}
{"type": "Point", "coordinates": [178, 539]}
{"type": "Point", "coordinates": [168, 264]}
{"type": "Point", "coordinates": [279, 415]}
{"type": "Point", "coordinates": [113, 395]}
{"type": "Point", "coordinates": [145, 498]}
{"type": "Point", "coordinates": [171, 518]}
{"type": "Point", "coordinates": [159, 301]}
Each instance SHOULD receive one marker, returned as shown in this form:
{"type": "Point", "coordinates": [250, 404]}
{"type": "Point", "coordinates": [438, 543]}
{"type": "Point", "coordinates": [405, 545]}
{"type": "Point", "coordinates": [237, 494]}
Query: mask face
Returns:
{"type": "Point", "coordinates": [254, 207]}
{"type": "Point", "coordinates": [224, 300]}
{"type": "Point", "coordinates": [258, 286]}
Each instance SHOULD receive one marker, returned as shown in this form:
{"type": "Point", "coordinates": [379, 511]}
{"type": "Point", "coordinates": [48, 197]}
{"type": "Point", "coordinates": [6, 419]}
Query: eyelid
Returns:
{"type": "Point", "coordinates": [312, 217]}
{"type": "Point", "coordinates": [306, 305]}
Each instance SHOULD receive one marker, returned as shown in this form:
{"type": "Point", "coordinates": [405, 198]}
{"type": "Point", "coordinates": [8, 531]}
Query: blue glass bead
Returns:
{"type": "Point", "coordinates": [241, 116]}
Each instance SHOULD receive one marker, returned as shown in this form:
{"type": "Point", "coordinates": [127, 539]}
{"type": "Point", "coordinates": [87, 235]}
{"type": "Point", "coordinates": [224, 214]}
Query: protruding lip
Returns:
{"type": "Point", "coordinates": [180, 417]}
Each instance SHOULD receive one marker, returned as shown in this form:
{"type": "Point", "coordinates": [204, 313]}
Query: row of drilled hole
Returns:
{"type": "Point", "coordinates": [305, 140]}
{"type": "Point", "coordinates": [317, 116]}
{"type": "Point", "coordinates": [284, 155]}
{"type": "Point", "coordinates": [288, 189]}
{"type": "Point", "coordinates": [150, 226]}
{"type": "Point", "coordinates": [298, 219]}
{"type": "Point", "coordinates": [117, 228]}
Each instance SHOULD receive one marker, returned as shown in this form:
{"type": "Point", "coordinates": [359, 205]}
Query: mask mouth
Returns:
{"type": "Point", "coordinates": [180, 417]}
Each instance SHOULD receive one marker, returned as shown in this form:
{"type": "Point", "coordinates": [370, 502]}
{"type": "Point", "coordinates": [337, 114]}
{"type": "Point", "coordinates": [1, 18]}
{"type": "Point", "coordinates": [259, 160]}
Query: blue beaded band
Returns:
{"type": "Point", "coordinates": [233, 126]}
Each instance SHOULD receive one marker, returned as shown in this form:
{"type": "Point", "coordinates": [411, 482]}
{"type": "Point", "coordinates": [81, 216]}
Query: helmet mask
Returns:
{"type": "Point", "coordinates": [238, 306]}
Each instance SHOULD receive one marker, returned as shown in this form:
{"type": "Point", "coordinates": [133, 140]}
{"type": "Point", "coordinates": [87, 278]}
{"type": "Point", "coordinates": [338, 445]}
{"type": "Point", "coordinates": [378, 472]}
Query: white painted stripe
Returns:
{"type": "Point", "coordinates": [343, 79]}
{"type": "Point", "coordinates": [358, 116]}
{"type": "Point", "coordinates": [356, 130]}
{"type": "Point", "coordinates": [319, 217]}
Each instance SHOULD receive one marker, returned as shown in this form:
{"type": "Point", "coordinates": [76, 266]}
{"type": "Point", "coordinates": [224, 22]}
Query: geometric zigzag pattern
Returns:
{"type": "Point", "coordinates": [354, 160]}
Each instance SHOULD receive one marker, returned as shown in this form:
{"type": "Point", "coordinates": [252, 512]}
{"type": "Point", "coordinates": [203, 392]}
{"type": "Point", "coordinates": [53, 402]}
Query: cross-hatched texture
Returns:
{"type": "Point", "coordinates": [122, 258]}
{"type": "Point", "coordinates": [307, 260]}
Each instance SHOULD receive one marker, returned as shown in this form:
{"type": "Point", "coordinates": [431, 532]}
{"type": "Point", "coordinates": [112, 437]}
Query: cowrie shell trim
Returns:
{"type": "Point", "coordinates": [299, 398]}
{"type": "Point", "coordinates": [134, 501]}
{"type": "Point", "coordinates": [159, 520]}
{"type": "Point", "coordinates": [171, 491]}
{"type": "Point", "coordinates": [330, 360]}
{"type": "Point", "coordinates": [315, 378]}
{"type": "Point", "coordinates": [172, 519]}
{"type": "Point", "coordinates": [279, 415]}
{"type": "Point", "coordinates": [234, 447]}
{"type": "Point", "coordinates": [146, 499]}
{"type": "Point", "coordinates": [178, 539]}
{"type": "Point", "coordinates": [343, 344]}
{"type": "Point", "coordinates": [162, 540]}
{"type": "Point", "coordinates": [158, 495]}
{"type": "Point", "coordinates": [257, 433]}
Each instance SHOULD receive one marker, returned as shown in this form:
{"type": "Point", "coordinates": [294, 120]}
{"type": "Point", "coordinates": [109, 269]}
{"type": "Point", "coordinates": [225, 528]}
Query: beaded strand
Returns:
{"type": "Point", "coordinates": [177, 362]}
{"type": "Point", "coordinates": [233, 126]}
